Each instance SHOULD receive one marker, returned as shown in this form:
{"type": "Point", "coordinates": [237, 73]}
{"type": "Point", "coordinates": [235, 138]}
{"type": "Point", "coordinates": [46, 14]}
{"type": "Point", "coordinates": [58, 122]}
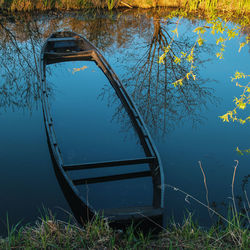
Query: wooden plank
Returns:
{"type": "Point", "coordinates": [85, 53]}
{"type": "Point", "coordinates": [111, 178]}
{"type": "Point", "coordinates": [109, 164]}
{"type": "Point", "coordinates": [61, 39]}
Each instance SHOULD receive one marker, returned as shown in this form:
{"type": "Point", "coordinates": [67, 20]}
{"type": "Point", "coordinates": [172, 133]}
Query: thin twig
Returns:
{"type": "Point", "coordinates": [205, 183]}
{"type": "Point", "coordinates": [247, 199]}
{"type": "Point", "coordinates": [246, 209]}
{"type": "Point", "coordinates": [235, 167]}
{"type": "Point", "coordinates": [149, 219]}
{"type": "Point", "coordinates": [201, 203]}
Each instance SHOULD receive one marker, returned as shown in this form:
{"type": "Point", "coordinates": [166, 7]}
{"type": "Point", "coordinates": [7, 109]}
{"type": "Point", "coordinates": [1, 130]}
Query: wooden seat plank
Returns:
{"type": "Point", "coordinates": [109, 164]}
{"type": "Point", "coordinates": [62, 39]}
{"type": "Point", "coordinates": [111, 178]}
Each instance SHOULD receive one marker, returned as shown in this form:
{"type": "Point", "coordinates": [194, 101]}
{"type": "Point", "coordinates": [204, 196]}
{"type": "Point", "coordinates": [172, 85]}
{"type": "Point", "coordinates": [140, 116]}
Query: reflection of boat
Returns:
{"type": "Point", "coordinates": [68, 46]}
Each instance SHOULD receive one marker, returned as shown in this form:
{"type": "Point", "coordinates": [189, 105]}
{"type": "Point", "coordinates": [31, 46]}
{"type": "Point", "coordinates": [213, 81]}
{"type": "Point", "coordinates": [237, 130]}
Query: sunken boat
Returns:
{"type": "Point", "coordinates": [120, 177]}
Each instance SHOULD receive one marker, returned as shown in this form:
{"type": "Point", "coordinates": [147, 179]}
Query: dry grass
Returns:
{"type": "Point", "coordinates": [190, 5]}
{"type": "Point", "coordinates": [49, 233]}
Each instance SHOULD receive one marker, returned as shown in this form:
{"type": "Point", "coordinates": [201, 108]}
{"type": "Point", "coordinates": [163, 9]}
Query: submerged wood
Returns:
{"type": "Point", "coordinates": [69, 46]}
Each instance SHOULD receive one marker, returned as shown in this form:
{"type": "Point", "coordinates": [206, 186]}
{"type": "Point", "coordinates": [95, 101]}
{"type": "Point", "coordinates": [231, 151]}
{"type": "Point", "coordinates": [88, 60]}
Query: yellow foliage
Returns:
{"type": "Point", "coordinates": [177, 60]}
{"type": "Point", "coordinates": [79, 69]}
{"type": "Point", "coordinates": [224, 117]}
{"type": "Point", "coordinates": [175, 31]}
{"type": "Point", "coordinates": [240, 103]}
{"type": "Point", "coordinates": [22, 5]}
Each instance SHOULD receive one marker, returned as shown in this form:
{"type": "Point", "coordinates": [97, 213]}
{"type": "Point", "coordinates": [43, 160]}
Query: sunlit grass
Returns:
{"type": "Point", "coordinates": [190, 5]}
{"type": "Point", "coordinates": [240, 6]}
{"type": "Point", "coordinates": [31, 5]}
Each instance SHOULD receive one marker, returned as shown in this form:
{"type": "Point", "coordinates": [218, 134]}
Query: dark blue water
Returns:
{"type": "Point", "coordinates": [184, 122]}
{"type": "Point", "coordinates": [82, 98]}
{"type": "Point", "coordinates": [79, 100]}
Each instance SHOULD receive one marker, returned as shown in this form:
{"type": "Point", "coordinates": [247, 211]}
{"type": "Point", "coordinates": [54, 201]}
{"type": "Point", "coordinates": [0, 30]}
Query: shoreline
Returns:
{"type": "Point", "coordinates": [50, 233]}
{"type": "Point", "coordinates": [238, 6]}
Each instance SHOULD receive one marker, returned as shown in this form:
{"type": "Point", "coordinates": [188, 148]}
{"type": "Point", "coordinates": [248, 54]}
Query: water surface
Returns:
{"type": "Point", "coordinates": [183, 121]}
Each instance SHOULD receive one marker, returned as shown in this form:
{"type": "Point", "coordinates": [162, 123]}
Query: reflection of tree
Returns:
{"type": "Point", "coordinates": [116, 29]}
{"type": "Point", "coordinates": [159, 101]}
{"type": "Point", "coordinates": [22, 37]}
{"type": "Point", "coordinates": [162, 105]}
{"type": "Point", "coordinates": [19, 65]}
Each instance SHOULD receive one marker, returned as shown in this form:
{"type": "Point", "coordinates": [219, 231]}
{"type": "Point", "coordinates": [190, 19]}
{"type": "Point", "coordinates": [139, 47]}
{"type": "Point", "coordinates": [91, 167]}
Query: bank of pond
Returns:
{"type": "Point", "coordinates": [49, 233]}
{"type": "Point", "coordinates": [192, 5]}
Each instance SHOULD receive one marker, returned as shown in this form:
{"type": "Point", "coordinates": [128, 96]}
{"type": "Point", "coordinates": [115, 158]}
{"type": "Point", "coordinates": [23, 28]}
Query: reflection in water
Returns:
{"type": "Point", "coordinates": [78, 109]}
{"type": "Point", "coordinates": [21, 40]}
{"type": "Point", "coordinates": [19, 65]}
{"type": "Point", "coordinates": [135, 39]}
{"type": "Point", "coordinates": [163, 105]}
{"type": "Point", "coordinates": [149, 83]}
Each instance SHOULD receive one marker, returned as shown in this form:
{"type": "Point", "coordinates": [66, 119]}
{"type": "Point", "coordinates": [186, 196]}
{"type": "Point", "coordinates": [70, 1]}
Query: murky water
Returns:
{"type": "Point", "coordinates": [183, 121]}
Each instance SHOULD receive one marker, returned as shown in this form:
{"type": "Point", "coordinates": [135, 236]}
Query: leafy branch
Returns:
{"type": "Point", "coordinates": [240, 103]}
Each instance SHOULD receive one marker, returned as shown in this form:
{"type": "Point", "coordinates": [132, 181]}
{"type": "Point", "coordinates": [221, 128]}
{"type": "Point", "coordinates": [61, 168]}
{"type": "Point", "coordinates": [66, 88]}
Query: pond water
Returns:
{"type": "Point", "coordinates": [183, 121]}
{"type": "Point", "coordinates": [78, 101]}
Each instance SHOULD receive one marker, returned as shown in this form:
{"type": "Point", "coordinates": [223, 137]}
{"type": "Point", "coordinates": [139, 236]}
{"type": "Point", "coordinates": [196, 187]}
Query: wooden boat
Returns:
{"type": "Point", "coordinates": [68, 46]}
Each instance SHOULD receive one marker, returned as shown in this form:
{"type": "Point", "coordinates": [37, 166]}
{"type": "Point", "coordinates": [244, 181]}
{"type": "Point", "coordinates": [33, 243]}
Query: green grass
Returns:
{"type": "Point", "coordinates": [49, 233]}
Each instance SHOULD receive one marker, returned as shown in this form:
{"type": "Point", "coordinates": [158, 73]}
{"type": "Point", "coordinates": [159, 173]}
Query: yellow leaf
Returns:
{"type": "Point", "coordinates": [161, 58]}
{"type": "Point", "coordinates": [239, 151]}
{"type": "Point", "coordinates": [224, 118]}
{"type": "Point", "coordinates": [200, 41]}
{"type": "Point", "coordinates": [79, 69]}
{"type": "Point", "coordinates": [241, 46]}
{"type": "Point", "coordinates": [175, 31]}
{"type": "Point", "coordinates": [177, 60]}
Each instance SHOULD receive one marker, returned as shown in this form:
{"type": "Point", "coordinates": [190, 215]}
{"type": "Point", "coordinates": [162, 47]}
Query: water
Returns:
{"type": "Point", "coordinates": [81, 98]}
{"type": "Point", "coordinates": [79, 101]}
{"type": "Point", "coordinates": [183, 122]}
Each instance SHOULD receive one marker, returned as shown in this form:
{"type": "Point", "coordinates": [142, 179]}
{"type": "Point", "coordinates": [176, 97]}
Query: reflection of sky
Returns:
{"type": "Point", "coordinates": [85, 122]}
{"type": "Point", "coordinates": [88, 129]}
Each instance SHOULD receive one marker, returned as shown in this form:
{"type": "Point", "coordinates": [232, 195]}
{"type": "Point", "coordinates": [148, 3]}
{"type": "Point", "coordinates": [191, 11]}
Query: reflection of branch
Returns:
{"type": "Point", "coordinates": [20, 82]}
{"type": "Point", "coordinates": [14, 42]}
{"type": "Point", "coordinates": [120, 115]}
{"type": "Point", "coordinates": [158, 100]}
{"type": "Point", "coordinates": [34, 53]}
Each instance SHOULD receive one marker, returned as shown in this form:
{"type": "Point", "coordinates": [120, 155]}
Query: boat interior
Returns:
{"type": "Point", "coordinates": [68, 46]}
